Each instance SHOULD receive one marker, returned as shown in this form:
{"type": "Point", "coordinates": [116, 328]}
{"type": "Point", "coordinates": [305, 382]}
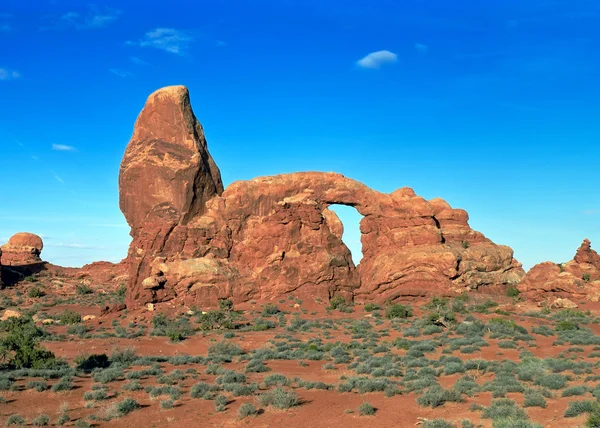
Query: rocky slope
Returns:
{"type": "Point", "coordinates": [267, 237]}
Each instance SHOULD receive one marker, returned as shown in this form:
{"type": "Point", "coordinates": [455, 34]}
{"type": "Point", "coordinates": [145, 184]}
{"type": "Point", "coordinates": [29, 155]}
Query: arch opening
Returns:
{"type": "Point", "coordinates": [351, 235]}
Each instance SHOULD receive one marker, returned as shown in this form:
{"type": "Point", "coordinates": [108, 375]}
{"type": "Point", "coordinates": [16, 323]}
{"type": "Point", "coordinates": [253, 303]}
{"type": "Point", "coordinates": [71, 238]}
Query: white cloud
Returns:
{"type": "Point", "coordinates": [56, 177]}
{"type": "Point", "coordinates": [7, 74]}
{"type": "Point", "coordinates": [166, 39]}
{"type": "Point", "coordinates": [421, 48]}
{"type": "Point", "coordinates": [95, 18]}
{"type": "Point", "coordinates": [63, 148]}
{"type": "Point", "coordinates": [377, 59]}
{"type": "Point", "coordinates": [120, 73]}
{"type": "Point", "coordinates": [138, 61]}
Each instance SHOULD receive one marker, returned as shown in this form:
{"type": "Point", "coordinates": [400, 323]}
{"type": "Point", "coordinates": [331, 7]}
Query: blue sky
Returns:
{"type": "Point", "coordinates": [492, 106]}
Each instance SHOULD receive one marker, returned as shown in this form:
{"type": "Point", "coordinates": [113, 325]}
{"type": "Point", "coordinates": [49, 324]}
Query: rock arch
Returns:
{"type": "Point", "coordinates": [272, 236]}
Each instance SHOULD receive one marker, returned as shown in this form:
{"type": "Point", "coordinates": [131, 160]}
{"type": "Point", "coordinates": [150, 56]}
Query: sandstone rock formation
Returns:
{"type": "Point", "coordinates": [22, 249]}
{"type": "Point", "coordinates": [271, 236]}
{"type": "Point", "coordinates": [578, 278]}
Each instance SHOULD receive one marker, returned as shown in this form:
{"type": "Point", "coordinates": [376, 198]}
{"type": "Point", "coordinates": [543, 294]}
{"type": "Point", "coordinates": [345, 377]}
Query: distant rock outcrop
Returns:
{"type": "Point", "coordinates": [22, 249]}
{"type": "Point", "coordinates": [272, 236]}
{"type": "Point", "coordinates": [578, 278]}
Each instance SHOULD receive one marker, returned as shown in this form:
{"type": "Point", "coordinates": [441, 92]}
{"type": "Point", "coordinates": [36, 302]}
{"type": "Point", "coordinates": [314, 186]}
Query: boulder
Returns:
{"type": "Point", "coordinates": [22, 249]}
{"type": "Point", "coordinates": [10, 314]}
{"type": "Point", "coordinates": [578, 278]}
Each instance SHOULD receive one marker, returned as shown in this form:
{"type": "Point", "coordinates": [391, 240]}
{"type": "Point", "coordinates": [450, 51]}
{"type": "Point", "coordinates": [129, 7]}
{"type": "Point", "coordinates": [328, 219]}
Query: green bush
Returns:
{"type": "Point", "coordinates": [512, 291]}
{"type": "Point", "coordinates": [270, 310]}
{"type": "Point", "coordinates": [437, 423]}
{"type": "Point", "coordinates": [64, 384]}
{"type": "Point", "coordinates": [246, 410]}
{"type": "Point", "coordinates": [167, 404]}
{"type": "Point", "coordinates": [41, 421]}
{"type": "Point", "coordinates": [83, 289]}
{"type": "Point", "coordinates": [122, 408]}
{"type": "Point", "coordinates": [87, 363]}
{"type": "Point", "coordinates": [21, 345]}
{"type": "Point", "coordinates": [279, 398]}
{"type": "Point", "coordinates": [370, 307]}
{"type": "Point", "coordinates": [217, 320]}
{"type": "Point", "coordinates": [398, 311]}
{"type": "Point", "coordinates": [366, 409]}
{"type": "Point", "coordinates": [39, 386]}
{"type": "Point", "coordinates": [15, 420]}
{"type": "Point", "coordinates": [534, 399]}
{"type": "Point", "coordinates": [566, 325]}
{"type": "Point", "coordinates": [69, 317]}
{"type": "Point", "coordinates": [577, 408]}
{"type": "Point", "coordinates": [35, 292]}
{"type": "Point", "coordinates": [435, 396]}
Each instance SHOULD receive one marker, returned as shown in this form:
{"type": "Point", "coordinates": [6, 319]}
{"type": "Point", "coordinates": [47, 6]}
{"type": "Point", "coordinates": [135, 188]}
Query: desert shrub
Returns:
{"type": "Point", "coordinates": [200, 389]}
{"type": "Point", "coordinates": [566, 325]}
{"type": "Point", "coordinates": [110, 374]}
{"type": "Point", "coordinates": [240, 390]}
{"type": "Point", "coordinates": [175, 330]}
{"type": "Point", "coordinates": [122, 408]}
{"type": "Point", "coordinates": [366, 409]}
{"type": "Point", "coordinates": [483, 307]}
{"type": "Point", "coordinates": [15, 420]}
{"type": "Point", "coordinates": [225, 349]}
{"type": "Point", "coordinates": [83, 289]}
{"type": "Point", "coordinates": [225, 305]}
{"type": "Point", "coordinates": [577, 408]}
{"type": "Point", "coordinates": [435, 396]}
{"type": "Point", "coordinates": [41, 421]}
{"type": "Point", "coordinates": [69, 317]}
{"type": "Point", "coordinates": [231, 376]}
{"type": "Point", "coordinates": [270, 309]}
{"type": "Point", "coordinates": [256, 366]}
{"type": "Point", "coordinates": [370, 307]}
{"type": "Point", "coordinates": [437, 423]}
{"type": "Point", "coordinates": [64, 384]}
{"type": "Point", "coordinates": [276, 379]}
{"type": "Point", "coordinates": [507, 344]}
{"type": "Point", "coordinates": [62, 419]}
{"type": "Point", "coordinates": [504, 408]}
{"type": "Point", "coordinates": [35, 292]}
{"type": "Point", "coordinates": [123, 356]}
{"type": "Point", "coordinates": [397, 311]}
{"type": "Point", "coordinates": [552, 381]}
{"type": "Point", "coordinates": [167, 404]}
{"type": "Point", "coordinates": [543, 330]}
{"type": "Point", "coordinates": [593, 420]}
{"type": "Point", "coordinates": [279, 398]}
{"type": "Point", "coordinates": [512, 291]}
{"type": "Point", "coordinates": [39, 386]}
{"type": "Point", "coordinates": [88, 363]}
{"type": "Point", "coordinates": [466, 385]}
{"type": "Point", "coordinates": [171, 391]}
{"type": "Point", "coordinates": [133, 385]}
{"type": "Point", "coordinates": [534, 399]}
{"type": "Point", "coordinates": [246, 410]}
{"type": "Point", "coordinates": [574, 391]}
{"type": "Point", "coordinates": [21, 348]}
{"type": "Point", "coordinates": [97, 395]}
{"type": "Point", "coordinates": [220, 403]}
{"type": "Point", "coordinates": [217, 320]}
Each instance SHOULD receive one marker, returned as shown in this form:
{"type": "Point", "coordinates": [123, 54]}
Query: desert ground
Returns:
{"type": "Point", "coordinates": [475, 360]}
